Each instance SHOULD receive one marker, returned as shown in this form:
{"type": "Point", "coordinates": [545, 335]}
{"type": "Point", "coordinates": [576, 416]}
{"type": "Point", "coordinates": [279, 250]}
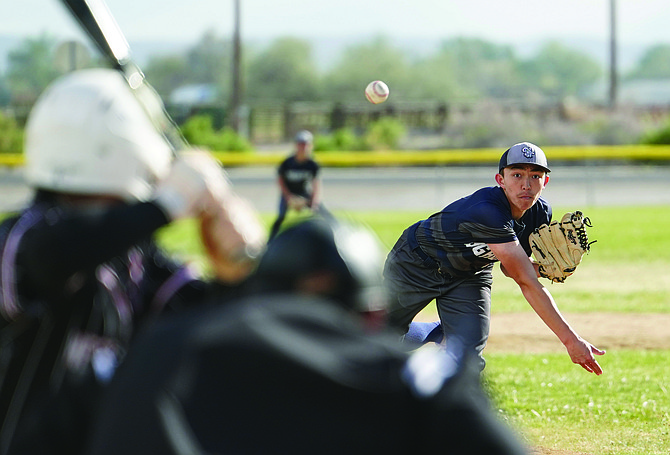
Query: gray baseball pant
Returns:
{"type": "Point", "coordinates": [463, 304]}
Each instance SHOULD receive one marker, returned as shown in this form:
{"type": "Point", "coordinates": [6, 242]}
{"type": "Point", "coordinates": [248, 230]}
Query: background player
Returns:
{"type": "Point", "coordinates": [299, 181]}
{"type": "Point", "coordinates": [449, 257]}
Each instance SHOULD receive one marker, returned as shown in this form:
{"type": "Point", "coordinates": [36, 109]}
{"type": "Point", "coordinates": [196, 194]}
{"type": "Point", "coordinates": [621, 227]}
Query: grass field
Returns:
{"type": "Point", "coordinates": [627, 270]}
{"type": "Point", "coordinates": [555, 405]}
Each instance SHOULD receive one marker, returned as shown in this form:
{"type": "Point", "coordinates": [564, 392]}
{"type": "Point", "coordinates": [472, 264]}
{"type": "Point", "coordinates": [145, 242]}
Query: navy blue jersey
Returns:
{"type": "Point", "coordinates": [298, 176]}
{"type": "Point", "coordinates": [457, 236]}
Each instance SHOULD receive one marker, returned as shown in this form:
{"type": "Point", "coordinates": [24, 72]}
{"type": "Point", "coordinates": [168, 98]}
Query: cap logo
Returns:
{"type": "Point", "coordinates": [528, 152]}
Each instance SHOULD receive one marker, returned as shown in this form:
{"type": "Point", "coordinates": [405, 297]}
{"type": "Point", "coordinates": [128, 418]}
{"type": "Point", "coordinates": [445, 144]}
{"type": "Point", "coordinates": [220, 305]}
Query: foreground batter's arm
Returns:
{"type": "Point", "coordinates": [517, 266]}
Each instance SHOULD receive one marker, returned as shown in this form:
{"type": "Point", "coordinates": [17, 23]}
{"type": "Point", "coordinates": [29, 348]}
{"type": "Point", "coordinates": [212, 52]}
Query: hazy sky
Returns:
{"type": "Point", "coordinates": [508, 21]}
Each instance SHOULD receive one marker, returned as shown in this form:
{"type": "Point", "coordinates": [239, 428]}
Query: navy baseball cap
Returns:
{"type": "Point", "coordinates": [304, 136]}
{"type": "Point", "coordinates": [524, 153]}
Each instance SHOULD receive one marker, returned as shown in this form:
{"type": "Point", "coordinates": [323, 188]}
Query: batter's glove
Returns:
{"type": "Point", "coordinates": [231, 232]}
{"type": "Point", "coordinates": [559, 246]}
{"type": "Point", "coordinates": [194, 180]}
{"type": "Point", "coordinates": [233, 237]}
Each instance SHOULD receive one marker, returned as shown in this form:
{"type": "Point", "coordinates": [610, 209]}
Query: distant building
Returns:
{"type": "Point", "coordinates": [193, 99]}
{"type": "Point", "coordinates": [193, 95]}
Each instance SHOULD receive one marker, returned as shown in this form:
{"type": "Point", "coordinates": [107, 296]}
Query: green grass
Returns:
{"type": "Point", "coordinates": [626, 271]}
{"type": "Point", "coordinates": [553, 404]}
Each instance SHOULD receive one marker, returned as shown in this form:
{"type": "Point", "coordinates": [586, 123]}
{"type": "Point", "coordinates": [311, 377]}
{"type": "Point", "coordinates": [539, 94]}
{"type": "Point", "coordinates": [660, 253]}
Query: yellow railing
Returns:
{"type": "Point", "coordinates": [11, 159]}
{"type": "Point", "coordinates": [430, 157]}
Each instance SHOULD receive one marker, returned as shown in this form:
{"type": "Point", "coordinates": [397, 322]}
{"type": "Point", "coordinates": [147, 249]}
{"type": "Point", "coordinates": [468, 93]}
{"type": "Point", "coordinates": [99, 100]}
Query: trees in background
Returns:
{"type": "Point", "coordinates": [11, 135]}
{"type": "Point", "coordinates": [30, 68]}
{"type": "Point", "coordinates": [207, 62]}
{"type": "Point", "coordinates": [557, 71]}
{"type": "Point", "coordinates": [285, 71]}
{"type": "Point", "coordinates": [461, 68]}
{"type": "Point", "coordinates": [654, 64]}
{"type": "Point", "coordinates": [459, 71]}
{"type": "Point", "coordinates": [361, 63]}
{"type": "Point", "coordinates": [483, 69]}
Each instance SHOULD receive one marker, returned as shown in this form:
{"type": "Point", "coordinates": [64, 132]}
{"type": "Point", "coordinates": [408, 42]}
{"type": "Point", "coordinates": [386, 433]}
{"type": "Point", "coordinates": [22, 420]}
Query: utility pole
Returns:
{"type": "Point", "coordinates": [613, 55]}
{"type": "Point", "coordinates": [235, 101]}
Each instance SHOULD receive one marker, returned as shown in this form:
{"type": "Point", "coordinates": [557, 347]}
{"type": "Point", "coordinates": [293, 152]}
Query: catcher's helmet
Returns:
{"type": "Point", "coordinates": [350, 254]}
{"type": "Point", "coordinates": [88, 134]}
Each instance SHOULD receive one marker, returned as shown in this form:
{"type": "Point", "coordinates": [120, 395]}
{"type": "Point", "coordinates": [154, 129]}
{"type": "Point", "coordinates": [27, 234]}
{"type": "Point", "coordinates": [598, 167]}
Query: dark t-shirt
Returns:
{"type": "Point", "coordinates": [458, 235]}
{"type": "Point", "coordinates": [298, 176]}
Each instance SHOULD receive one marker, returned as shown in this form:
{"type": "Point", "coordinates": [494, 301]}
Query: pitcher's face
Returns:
{"type": "Point", "coordinates": [523, 185]}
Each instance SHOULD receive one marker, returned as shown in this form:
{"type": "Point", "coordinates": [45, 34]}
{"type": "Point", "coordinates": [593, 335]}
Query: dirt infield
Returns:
{"type": "Point", "coordinates": [526, 333]}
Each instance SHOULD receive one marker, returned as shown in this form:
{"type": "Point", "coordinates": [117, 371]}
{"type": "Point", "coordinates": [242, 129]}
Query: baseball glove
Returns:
{"type": "Point", "coordinates": [297, 203]}
{"type": "Point", "coordinates": [559, 246]}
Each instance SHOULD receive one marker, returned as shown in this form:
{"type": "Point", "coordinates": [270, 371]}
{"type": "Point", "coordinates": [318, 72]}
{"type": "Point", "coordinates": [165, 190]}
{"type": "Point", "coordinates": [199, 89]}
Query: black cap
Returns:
{"type": "Point", "coordinates": [524, 153]}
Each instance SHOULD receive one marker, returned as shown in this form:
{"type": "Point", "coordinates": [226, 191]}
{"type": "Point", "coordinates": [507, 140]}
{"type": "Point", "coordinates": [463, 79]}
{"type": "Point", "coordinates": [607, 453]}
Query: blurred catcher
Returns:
{"type": "Point", "coordinates": [299, 365]}
{"type": "Point", "coordinates": [80, 271]}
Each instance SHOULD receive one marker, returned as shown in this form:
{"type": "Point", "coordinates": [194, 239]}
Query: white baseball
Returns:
{"type": "Point", "coordinates": [376, 92]}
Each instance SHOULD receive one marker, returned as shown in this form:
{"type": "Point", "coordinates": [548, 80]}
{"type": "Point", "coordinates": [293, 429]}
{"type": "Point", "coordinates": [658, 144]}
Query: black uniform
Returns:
{"type": "Point", "coordinates": [298, 177]}
{"type": "Point", "coordinates": [75, 286]}
{"type": "Point", "coordinates": [285, 374]}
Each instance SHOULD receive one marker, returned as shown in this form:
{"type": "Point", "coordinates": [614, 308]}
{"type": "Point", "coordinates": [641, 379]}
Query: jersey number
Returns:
{"type": "Point", "coordinates": [482, 250]}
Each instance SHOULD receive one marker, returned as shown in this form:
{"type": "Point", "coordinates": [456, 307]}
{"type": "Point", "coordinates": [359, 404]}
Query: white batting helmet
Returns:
{"type": "Point", "coordinates": [88, 134]}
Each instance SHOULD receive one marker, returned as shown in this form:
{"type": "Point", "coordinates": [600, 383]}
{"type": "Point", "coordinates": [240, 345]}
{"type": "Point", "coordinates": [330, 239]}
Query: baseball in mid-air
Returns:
{"type": "Point", "coordinates": [377, 92]}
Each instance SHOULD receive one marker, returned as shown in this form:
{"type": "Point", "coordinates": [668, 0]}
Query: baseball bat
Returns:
{"type": "Point", "coordinates": [98, 22]}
